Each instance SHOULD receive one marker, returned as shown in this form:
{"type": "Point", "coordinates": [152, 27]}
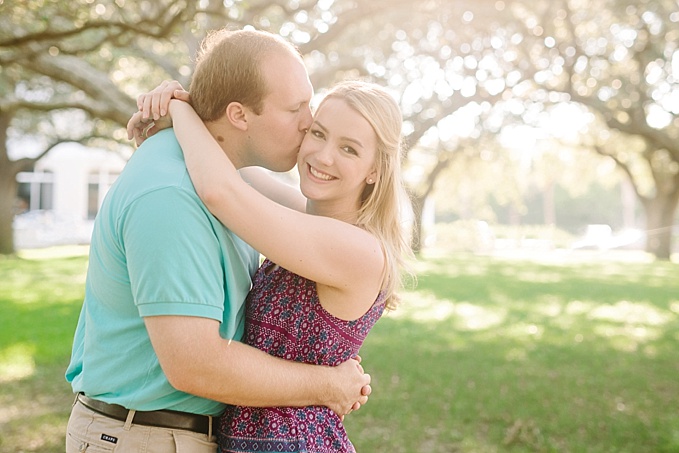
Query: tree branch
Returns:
{"type": "Point", "coordinates": [623, 166]}
{"type": "Point", "coordinates": [113, 103]}
{"type": "Point", "coordinates": [157, 26]}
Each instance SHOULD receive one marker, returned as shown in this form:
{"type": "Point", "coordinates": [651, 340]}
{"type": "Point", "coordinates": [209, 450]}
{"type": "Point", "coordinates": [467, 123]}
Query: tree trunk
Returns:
{"type": "Point", "coordinates": [629, 204]}
{"type": "Point", "coordinates": [548, 206]}
{"type": "Point", "coordinates": [417, 232]}
{"type": "Point", "coordinates": [8, 189]}
{"type": "Point", "coordinates": [8, 192]}
{"type": "Point", "coordinates": [418, 200]}
{"type": "Point", "coordinates": [659, 223]}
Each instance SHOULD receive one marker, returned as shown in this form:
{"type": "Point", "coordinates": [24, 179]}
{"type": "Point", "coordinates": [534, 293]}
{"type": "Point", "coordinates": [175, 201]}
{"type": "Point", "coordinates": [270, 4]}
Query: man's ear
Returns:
{"type": "Point", "coordinates": [236, 114]}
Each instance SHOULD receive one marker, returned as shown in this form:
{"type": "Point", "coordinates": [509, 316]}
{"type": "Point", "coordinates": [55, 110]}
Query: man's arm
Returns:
{"type": "Point", "coordinates": [166, 234]}
{"type": "Point", "coordinates": [197, 360]}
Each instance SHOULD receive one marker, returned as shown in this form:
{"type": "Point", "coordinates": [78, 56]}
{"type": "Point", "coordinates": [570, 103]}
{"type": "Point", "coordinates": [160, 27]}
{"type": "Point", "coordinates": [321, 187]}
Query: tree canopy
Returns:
{"type": "Point", "coordinates": [463, 72]}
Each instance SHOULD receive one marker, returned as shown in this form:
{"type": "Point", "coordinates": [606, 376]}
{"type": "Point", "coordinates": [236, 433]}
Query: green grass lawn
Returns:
{"type": "Point", "coordinates": [564, 353]}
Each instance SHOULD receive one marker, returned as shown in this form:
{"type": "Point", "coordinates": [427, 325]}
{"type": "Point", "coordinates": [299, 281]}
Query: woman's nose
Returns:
{"type": "Point", "coordinates": [324, 154]}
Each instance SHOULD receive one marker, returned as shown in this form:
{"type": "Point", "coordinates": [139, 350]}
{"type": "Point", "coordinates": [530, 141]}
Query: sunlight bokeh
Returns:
{"type": "Point", "coordinates": [634, 313]}
{"type": "Point", "coordinates": [17, 362]}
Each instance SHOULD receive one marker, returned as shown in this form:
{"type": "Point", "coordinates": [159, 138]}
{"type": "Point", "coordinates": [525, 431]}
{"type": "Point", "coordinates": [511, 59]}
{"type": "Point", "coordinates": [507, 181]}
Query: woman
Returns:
{"type": "Point", "coordinates": [330, 272]}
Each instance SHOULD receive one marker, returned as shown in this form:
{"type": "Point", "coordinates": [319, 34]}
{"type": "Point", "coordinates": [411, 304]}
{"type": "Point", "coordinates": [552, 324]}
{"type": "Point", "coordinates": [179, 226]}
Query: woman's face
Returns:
{"type": "Point", "coordinates": [336, 159]}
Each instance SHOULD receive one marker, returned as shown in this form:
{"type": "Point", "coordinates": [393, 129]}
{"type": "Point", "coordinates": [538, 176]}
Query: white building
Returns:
{"type": "Point", "coordinates": [61, 197]}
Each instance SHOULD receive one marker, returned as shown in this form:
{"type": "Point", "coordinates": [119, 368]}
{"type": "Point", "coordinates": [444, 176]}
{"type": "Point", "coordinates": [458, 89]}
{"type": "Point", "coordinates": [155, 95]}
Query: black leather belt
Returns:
{"type": "Point", "coordinates": [162, 419]}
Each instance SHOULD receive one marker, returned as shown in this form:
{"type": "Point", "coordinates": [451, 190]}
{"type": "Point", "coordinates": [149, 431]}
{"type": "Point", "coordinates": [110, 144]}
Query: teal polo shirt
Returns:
{"type": "Point", "coordinates": [155, 250]}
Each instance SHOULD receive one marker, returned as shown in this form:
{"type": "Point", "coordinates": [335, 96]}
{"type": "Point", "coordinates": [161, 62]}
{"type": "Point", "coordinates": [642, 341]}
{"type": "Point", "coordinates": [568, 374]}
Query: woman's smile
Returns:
{"type": "Point", "coordinates": [319, 174]}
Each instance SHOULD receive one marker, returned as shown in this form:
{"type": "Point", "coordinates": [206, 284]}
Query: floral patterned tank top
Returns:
{"type": "Point", "coordinates": [285, 319]}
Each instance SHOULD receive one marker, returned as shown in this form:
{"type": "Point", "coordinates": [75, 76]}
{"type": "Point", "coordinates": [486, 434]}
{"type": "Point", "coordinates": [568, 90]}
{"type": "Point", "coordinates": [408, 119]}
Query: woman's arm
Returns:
{"type": "Point", "coordinates": [152, 118]}
{"type": "Point", "coordinates": [322, 249]}
{"type": "Point", "coordinates": [273, 188]}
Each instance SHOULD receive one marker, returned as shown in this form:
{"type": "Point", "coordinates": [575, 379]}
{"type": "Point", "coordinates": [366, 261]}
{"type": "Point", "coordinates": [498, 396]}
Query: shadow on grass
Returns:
{"type": "Point", "coordinates": [40, 303]}
{"type": "Point", "coordinates": [486, 356]}
{"type": "Point", "coordinates": [518, 356]}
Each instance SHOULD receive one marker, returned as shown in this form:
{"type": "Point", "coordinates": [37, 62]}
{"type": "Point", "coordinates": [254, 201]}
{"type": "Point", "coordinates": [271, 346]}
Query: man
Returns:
{"type": "Point", "coordinates": [156, 351]}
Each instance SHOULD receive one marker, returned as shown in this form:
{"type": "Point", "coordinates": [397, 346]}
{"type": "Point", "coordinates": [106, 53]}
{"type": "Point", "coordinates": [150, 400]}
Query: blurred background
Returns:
{"type": "Point", "coordinates": [542, 157]}
{"type": "Point", "coordinates": [531, 125]}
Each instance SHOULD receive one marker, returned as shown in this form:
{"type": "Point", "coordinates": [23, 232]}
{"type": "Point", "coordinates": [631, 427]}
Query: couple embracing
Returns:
{"type": "Point", "coordinates": [185, 342]}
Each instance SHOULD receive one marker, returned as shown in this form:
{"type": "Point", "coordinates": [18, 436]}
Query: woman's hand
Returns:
{"type": "Point", "coordinates": [141, 128]}
{"type": "Point", "coordinates": [350, 388]}
{"type": "Point", "coordinates": [155, 103]}
{"type": "Point", "coordinates": [153, 110]}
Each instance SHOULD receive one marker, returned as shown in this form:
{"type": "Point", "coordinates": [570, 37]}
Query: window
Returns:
{"type": "Point", "coordinates": [36, 191]}
{"type": "Point", "coordinates": [92, 200]}
{"type": "Point", "coordinates": [98, 184]}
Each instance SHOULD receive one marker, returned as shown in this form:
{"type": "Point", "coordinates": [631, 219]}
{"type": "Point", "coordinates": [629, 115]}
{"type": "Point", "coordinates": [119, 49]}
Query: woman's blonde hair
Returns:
{"type": "Point", "coordinates": [383, 202]}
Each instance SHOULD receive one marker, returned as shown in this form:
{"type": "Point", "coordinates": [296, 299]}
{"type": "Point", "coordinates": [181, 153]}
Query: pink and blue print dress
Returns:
{"type": "Point", "coordinates": [285, 319]}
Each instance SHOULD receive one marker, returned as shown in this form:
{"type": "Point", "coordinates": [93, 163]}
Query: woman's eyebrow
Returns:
{"type": "Point", "coordinates": [349, 139]}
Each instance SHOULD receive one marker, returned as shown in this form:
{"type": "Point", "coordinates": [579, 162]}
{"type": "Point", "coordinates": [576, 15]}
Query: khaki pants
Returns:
{"type": "Point", "coordinates": [91, 432]}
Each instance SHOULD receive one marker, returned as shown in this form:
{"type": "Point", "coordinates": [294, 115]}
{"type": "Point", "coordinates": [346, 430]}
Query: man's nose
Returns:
{"type": "Point", "coordinates": [307, 119]}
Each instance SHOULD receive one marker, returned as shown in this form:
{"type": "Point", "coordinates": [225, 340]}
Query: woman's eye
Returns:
{"type": "Point", "coordinates": [350, 150]}
{"type": "Point", "coordinates": [317, 133]}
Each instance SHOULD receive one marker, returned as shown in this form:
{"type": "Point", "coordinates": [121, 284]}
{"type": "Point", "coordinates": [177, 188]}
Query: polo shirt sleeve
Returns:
{"type": "Point", "coordinates": [173, 255]}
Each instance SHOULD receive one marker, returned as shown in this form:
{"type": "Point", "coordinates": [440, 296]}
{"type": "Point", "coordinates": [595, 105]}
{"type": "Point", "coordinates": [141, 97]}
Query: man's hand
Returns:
{"type": "Point", "coordinates": [350, 388]}
{"type": "Point", "coordinates": [153, 110]}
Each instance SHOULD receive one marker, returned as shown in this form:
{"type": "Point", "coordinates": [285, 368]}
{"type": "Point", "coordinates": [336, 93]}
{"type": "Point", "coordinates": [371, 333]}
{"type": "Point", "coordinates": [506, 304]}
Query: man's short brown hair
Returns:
{"type": "Point", "coordinates": [228, 70]}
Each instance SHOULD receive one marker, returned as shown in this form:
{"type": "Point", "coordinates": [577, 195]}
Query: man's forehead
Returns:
{"type": "Point", "coordinates": [289, 79]}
